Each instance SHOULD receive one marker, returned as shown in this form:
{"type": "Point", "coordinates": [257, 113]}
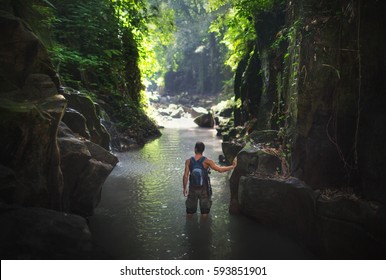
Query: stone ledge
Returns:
{"type": "Point", "coordinates": [336, 229]}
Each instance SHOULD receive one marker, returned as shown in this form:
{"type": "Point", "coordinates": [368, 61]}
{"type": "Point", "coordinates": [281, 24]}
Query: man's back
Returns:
{"type": "Point", "coordinates": [198, 173]}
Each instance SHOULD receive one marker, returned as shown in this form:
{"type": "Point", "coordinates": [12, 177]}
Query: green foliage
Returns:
{"type": "Point", "coordinates": [113, 47]}
{"type": "Point", "coordinates": [155, 55]}
{"type": "Point", "coordinates": [97, 44]}
{"type": "Point", "coordinates": [65, 56]}
{"type": "Point", "coordinates": [249, 8]}
{"type": "Point", "coordinates": [235, 32]}
{"type": "Point", "coordinates": [288, 45]}
{"type": "Point", "coordinates": [100, 46]}
{"type": "Point", "coordinates": [131, 119]}
{"type": "Point", "coordinates": [235, 25]}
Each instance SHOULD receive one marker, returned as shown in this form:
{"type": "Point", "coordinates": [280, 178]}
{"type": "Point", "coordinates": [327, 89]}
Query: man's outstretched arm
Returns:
{"type": "Point", "coordinates": [221, 169]}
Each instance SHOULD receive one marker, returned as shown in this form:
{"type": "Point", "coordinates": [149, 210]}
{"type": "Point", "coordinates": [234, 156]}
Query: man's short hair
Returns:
{"type": "Point", "coordinates": [199, 148]}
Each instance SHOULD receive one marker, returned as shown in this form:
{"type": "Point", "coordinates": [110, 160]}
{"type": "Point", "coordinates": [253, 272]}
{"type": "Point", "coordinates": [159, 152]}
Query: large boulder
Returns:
{"type": "Point", "coordinates": [252, 160]}
{"type": "Point", "coordinates": [206, 120]}
{"type": "Point", "coordinates": [288, 204]}
{"type": "Point", "coordinates": [35, 172]}
{"type": "Point", "coordinates": [85, 166]}
{"type": "Point", "coordinates": [198, 111]}
{"type": "Point", "coordinates": [76, 122]}
{"type": "Point", "coordinates": [86, 107]}
{"type": "Point", "coordinates": [37, 233]}
{"type": "Point", "coordinates": [28, 149]}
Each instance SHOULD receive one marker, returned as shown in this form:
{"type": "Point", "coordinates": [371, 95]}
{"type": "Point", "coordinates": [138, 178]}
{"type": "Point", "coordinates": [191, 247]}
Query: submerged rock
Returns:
{"type": "Point", "coordinates": [205, 120]}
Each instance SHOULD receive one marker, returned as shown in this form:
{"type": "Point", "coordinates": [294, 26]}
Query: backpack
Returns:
{"type": "Point", "coordinates": [198, 174]}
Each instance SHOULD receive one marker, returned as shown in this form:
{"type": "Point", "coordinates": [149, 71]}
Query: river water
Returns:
{"type": "Point", "coordinates": [142, 211]}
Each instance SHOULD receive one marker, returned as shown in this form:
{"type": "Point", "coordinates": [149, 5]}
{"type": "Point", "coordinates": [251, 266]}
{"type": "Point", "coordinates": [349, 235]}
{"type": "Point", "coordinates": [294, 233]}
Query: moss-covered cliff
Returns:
{"type": "Point", "coordinates": [313, 82]}
{"type": "Point", "coordinates": [315, 76]}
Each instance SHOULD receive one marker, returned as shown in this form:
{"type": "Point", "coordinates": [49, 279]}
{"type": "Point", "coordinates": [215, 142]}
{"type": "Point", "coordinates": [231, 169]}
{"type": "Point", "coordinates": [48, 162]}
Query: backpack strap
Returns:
{"type": "Point", "coordinates": [194, 161]}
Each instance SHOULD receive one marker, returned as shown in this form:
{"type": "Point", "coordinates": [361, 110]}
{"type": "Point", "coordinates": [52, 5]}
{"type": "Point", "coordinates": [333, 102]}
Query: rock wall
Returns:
{"type": "Point", "coordinates": [320, 87]}
{"type": "Point", "coordinates": [30, 153]}
{"type": "Point", "coordinates": [44, 166]}
{"type": "Point", "coordinates": [320, 84]}
{"type": "Point", "coordinates": [340, 96]}
{"type": "Point", "coordinates": [31, 111]}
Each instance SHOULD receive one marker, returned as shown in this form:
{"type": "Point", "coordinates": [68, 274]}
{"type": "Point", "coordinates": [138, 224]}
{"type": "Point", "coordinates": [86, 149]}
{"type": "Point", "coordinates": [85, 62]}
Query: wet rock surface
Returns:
{"type": "Point", "coordinates": [85, 166]}
{"type": "Point", "coordinates": [38, 233]}
{"type": "Point", "coordinates": [336, 228]}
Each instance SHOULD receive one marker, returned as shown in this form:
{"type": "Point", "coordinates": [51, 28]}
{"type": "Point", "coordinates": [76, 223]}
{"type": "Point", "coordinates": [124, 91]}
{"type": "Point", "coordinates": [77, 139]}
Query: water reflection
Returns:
{"type": "Point", "coordinates": [199, 233]}
{"type": "Point", "coordinates": [142, 212]}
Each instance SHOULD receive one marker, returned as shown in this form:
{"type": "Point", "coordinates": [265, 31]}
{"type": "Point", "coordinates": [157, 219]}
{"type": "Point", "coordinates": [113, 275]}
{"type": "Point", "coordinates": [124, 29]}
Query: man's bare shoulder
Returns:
{"type": "Point", "coordinates": [208, 160]}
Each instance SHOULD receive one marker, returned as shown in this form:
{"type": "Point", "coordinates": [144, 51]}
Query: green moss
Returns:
{"type": "Point", "coordinates": [131, 120]}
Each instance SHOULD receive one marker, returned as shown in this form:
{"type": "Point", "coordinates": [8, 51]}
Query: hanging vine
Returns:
{"type": "Point", "coordinates": [359, 84]}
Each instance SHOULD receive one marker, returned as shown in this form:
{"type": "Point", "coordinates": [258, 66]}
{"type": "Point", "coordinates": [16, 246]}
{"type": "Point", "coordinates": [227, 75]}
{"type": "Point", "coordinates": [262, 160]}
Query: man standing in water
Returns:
{"type": "Point", "coordinates": [198, 192]}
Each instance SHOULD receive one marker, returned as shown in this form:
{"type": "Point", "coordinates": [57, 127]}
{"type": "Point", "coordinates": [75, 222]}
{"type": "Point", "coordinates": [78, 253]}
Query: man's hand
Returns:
{"type": "Point", "coordinates": [186, 191]}
{"type": "Point", "coordinates": [234, 163]}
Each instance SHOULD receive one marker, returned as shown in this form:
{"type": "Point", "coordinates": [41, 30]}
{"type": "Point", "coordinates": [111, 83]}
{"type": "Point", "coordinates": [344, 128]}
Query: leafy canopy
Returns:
{"type": "Point", "coordinates": [235, 25]}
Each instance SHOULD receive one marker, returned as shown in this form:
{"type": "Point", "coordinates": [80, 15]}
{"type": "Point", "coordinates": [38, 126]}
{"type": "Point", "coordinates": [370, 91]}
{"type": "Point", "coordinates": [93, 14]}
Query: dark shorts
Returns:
{"type": "Point", "coordinates": [198, 194]}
